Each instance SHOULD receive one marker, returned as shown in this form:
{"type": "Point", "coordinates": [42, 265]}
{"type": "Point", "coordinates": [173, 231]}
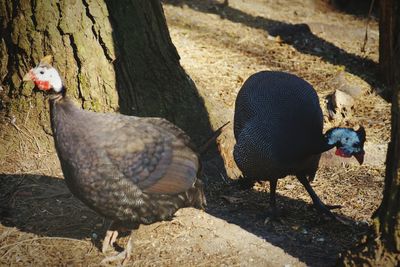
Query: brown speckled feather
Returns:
{"type": "Point", "coordinates": [124, 167]}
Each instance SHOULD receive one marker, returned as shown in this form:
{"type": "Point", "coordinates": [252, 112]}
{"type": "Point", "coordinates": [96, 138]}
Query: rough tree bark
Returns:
{"type": "Point", "coordinates": [113, 55]}
{"type": "Point", "coordinates": [382, 246]}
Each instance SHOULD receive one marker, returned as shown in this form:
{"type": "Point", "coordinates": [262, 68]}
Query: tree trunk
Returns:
{"type": "Point", "coordinates": [114, 55]}
{"type": "Point", "coordinates": [382, 246]}
{"type": "Point", "coordinates": [150, 81]}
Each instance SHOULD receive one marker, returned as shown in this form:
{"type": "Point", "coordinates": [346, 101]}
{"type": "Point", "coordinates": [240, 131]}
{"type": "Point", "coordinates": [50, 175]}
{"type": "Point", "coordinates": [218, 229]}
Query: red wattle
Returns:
{"type": "Point", "coordinates": [43, 85]}
{"type": "Point", "coordinates": [341, 153]}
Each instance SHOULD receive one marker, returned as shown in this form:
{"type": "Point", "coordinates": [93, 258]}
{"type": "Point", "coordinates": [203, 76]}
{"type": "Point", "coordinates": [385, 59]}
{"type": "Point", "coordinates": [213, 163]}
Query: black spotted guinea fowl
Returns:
{"type": "Point", "coordinates": [278, 126]}
{"type": "Point", "coordinates": [128, 169]}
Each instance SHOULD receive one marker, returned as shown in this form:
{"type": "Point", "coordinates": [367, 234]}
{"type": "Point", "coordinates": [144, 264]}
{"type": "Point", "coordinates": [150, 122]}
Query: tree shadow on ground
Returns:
{"type": "Point", "coordinates": [298, 36]}
{"type": "Point", "coordinates": [356, 7]}
{"type": "Point", "coordinates": [43, 205]}
{"type": "Point", "coordinates": [302, 232]}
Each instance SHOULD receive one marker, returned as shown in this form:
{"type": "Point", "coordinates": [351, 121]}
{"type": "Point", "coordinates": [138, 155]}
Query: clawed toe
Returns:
{"type": "Point", "coordinates": [332, 207]}
{"type": "Point", "coordinates": [123, 256]}
{"type": "Point", "coordinates": [342, 221]}
{"type": "Point", "coordinates": [325, 210]}
{"type": "Point", "coordinates": [269, 220]}
{"type": "Point", "coordinates": [109, 240]}
{"type": "Point", "coordinates": [274, 215]}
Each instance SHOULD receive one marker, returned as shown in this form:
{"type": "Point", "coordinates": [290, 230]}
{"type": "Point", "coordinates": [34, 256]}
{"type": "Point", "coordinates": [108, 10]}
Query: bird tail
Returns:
{"type": "Point", "coordinates": [203, 148]}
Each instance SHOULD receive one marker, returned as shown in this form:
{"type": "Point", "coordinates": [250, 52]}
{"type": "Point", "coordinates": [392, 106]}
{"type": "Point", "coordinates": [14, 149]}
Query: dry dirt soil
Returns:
{"type": "Point", "coordinates": [42, 224]}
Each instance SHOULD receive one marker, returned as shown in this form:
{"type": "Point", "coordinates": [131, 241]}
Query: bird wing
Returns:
{"type": "Point", "coordinates": [165, 125]}
{"type": "Point", "coordinates": [150, 152]}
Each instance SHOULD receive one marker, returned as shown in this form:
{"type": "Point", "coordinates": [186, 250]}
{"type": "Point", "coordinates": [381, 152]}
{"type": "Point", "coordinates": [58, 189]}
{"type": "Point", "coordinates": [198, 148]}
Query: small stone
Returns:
{"type": "Point", "coordinates": [353, 91]}
{"type": "Point", "coordinates": [320, 239]}
{"type": "Point", "coordinates": [342, 100]}
{"type": "Point", "coordinates": [339, 82]}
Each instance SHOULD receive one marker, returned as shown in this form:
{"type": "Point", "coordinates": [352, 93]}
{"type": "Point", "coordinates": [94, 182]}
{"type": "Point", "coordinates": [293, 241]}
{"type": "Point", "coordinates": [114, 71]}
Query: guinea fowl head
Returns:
{"type": "Point", "coordinates": [348, 142]}
{"type": "Point", "coordinates": [45, 76]}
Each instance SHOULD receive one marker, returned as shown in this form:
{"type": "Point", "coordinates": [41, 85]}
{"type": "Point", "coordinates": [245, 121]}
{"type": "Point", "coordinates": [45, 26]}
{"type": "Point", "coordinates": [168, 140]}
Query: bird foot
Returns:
{"type": "Point", "coordinates": [109, 240]}
{"type": "Point", "coordinates": [326, 210]}
{"type": "Point", "coordinates": [122, 257]}
{"type": "Point", "coordinates": [337, 218]}
{"type": "Point", "coordinates": [332, 207]}
{"type": "Point", "coordinates": [312, 178]}
{"type": "Point", "coordinates": [274, 215]}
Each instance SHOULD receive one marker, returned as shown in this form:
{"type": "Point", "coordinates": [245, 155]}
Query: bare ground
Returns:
{"type": "Point", "coordinates": [43, 225]}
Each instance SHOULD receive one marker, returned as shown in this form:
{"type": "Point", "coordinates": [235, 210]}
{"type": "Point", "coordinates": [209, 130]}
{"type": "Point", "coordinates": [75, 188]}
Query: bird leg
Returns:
{"type": "Point", "coordinates": [272, 194]}
{"type": "Point", "coordinates": [109, 240]}
{"type": "Point", "coordinates": [273, 214]}
{"type": "Point", "coordinates": [312, 177]}
{"type": "Point", "coordinates": [123, 256]}
{"type": "Point", "coordinates": [318, 204]}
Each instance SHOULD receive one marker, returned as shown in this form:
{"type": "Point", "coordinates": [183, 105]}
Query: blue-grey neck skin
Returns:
{"type": "Point", "coordinates": [53, 95]}
{"type": "Point", "coordinates": [325, 145]}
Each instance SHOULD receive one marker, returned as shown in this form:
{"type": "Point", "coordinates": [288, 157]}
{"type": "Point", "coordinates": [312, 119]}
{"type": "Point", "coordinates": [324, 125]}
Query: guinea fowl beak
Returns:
{"type": "Point", "coordinates": [360, 157]}
{"type": "Point", "coordinates": [28, 76]}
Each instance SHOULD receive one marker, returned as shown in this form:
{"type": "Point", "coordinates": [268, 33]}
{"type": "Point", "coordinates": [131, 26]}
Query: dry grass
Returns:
{"type": "Point", "coordinates": [43, 225]}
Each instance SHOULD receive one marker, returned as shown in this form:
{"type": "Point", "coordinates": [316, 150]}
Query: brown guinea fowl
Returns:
{"type": "Point", "coordinates": [128, 169]}
{"type": "Point", "coordinates": [278, 130]}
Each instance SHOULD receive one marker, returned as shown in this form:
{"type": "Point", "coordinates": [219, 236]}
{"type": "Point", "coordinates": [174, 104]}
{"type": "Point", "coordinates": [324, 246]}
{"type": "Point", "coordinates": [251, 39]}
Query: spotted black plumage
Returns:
{"type": "Point", "coordinates": [278, 127]}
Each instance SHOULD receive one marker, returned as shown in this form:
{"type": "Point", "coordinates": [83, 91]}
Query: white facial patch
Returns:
{"type": "Point", "coordinates": [49, 74]}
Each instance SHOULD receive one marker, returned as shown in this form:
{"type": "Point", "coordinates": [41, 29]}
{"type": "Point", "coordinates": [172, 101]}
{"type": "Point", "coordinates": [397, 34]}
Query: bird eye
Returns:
{"type": "Point", "coordinates": [41, 72]}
